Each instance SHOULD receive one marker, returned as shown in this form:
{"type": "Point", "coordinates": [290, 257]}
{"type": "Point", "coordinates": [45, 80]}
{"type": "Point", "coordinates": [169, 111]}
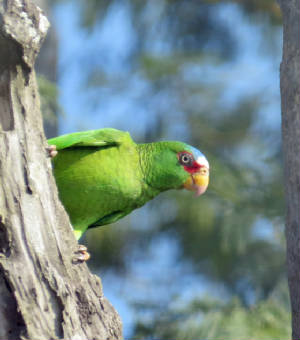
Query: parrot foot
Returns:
{"type": "Point", "coordinates": [81, 255]}
{"type": "Point", "coordinates": [52, 152]}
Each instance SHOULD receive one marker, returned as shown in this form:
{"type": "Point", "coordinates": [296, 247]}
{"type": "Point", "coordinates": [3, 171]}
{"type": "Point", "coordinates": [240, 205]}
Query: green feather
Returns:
{"type": "Point", "coordinates": [102, 175]}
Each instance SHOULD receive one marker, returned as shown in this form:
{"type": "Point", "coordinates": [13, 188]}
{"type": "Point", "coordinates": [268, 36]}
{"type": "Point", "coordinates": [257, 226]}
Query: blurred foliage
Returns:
{"type": "Point", "coordinates": [49, 98]}
{"type": "Point", "coordinates": [233, 235]}
{"type": "Point", "coordinates": [210, 318]}
{"type": "Point", "coordinates": [49, 102]}
{"type": "Point", "coordinates": [269, 7]}
{"type": "Point", "coordinates": [94, 10]}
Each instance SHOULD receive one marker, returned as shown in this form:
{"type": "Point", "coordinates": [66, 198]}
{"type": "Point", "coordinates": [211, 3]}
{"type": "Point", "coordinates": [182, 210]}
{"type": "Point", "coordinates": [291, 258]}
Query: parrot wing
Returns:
{"type": "Point", "coordinates": [92, 138]}
{"type": "Point", "coordinates": [89, 189]}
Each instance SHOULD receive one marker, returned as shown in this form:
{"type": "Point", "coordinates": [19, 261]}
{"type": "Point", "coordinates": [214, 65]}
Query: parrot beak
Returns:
{"type": "Point", "coordinates": [198, 181]}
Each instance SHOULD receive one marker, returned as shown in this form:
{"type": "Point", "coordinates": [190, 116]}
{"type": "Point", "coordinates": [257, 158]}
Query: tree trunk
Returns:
{"type": "Point", "coordinates": [289, 86]}
{"type": "Point", "coordinates": [43, 294]}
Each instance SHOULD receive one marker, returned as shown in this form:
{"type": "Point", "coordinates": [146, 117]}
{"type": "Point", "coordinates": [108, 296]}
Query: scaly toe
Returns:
{"type": "Point", "coordinates": [82, 248]}
{"type": "Point", "coordinates": [83, 255]}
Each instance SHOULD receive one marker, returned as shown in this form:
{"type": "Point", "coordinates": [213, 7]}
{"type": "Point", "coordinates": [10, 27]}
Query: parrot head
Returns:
{"type": "Point", "coordinates": [176, 165]}
{"type": "Point", "coordinates": [197, 166]}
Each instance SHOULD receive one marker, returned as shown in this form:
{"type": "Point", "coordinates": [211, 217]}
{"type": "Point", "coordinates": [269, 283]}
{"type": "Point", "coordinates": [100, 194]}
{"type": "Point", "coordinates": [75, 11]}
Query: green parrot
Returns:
{"type": "Point", "coordinates": [102, 175]}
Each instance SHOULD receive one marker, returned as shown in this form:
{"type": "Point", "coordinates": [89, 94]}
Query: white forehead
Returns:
{"type": "Point", "coordinates": [202, 161]}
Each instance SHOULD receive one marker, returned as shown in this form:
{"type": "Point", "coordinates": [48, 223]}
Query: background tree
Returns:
{"type": "Point", "coordinates": [43, 294]}
{"type": "Point", "coordinates": [290, 92]}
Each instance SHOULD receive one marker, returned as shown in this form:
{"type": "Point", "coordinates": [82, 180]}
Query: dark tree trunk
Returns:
{"type": "Point", "coordinates": [42, 294]}
{"type": "Point", "coordinates": [289, 86]}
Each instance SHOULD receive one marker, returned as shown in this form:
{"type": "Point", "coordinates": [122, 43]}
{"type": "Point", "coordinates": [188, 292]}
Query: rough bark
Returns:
{"type": "Point", "coordinates": [289, 86]}
{"type": "Point", "coordinates": [43, 295]}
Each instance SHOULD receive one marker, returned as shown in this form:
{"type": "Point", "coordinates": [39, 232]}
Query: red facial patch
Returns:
{"type": "Point", "coordinates": [194, 168]}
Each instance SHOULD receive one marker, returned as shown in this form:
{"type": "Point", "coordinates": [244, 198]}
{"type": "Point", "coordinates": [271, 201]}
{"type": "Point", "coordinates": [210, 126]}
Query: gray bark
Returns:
{"type": "Point", "coordinates": [43, 295]}
{"type": "Point", "coordinates": [290, 89]}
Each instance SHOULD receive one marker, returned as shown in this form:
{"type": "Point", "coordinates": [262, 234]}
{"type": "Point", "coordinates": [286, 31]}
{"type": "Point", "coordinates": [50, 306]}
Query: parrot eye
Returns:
{"type": "Point", "coordinates": [186, 159]}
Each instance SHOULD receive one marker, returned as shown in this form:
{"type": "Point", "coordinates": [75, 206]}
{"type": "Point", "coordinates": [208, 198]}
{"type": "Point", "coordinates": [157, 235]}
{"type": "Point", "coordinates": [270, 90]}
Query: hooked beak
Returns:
{"type": "Point", "coordinates": [198, 181]}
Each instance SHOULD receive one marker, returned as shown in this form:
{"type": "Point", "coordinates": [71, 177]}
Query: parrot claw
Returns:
{"type": "Point", "coordinates": [83, 255]}
{"type": "Point", "coordinates": [52, 152]}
